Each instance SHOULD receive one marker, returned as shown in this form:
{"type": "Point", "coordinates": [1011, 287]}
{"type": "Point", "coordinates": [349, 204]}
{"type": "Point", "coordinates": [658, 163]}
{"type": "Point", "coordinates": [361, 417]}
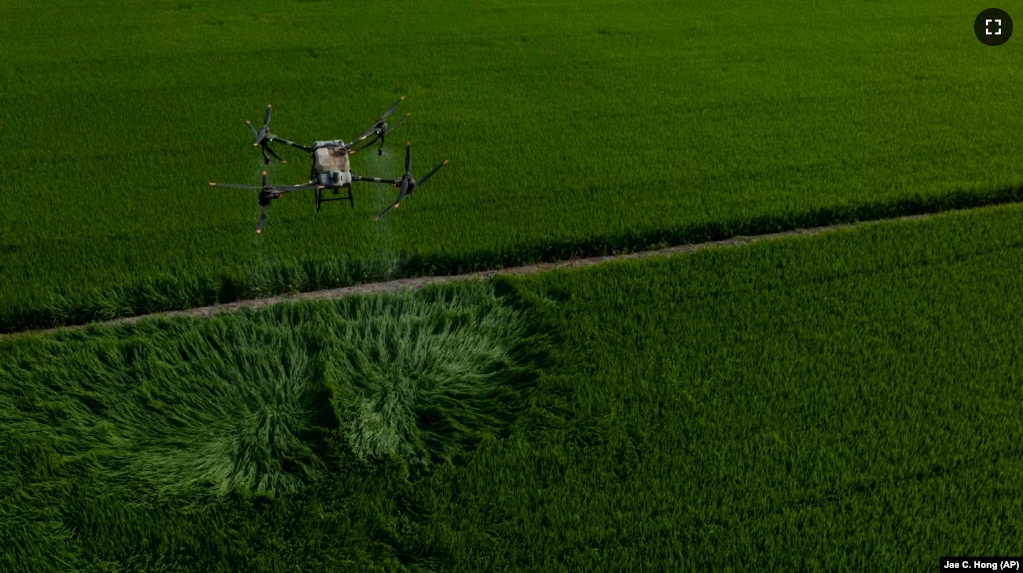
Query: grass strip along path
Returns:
{"type": "Point", "coordinates": [419, 282]}
{"type": "Point", "coordinates": [815, 403]}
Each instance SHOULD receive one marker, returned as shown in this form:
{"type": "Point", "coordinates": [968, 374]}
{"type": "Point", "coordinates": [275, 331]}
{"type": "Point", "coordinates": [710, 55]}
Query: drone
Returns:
{"type": "Point", "coordinates": [330, 169]}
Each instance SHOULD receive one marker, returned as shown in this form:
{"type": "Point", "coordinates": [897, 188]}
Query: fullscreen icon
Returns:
{"type": "Point", "coordinates": [993, 27]}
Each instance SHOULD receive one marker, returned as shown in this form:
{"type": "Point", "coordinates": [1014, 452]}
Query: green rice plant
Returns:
{"type": "Point", "coordinates": [816, 403]}
{"type": "Point", "coordinates": [178, 444]}
{"type": "Point", "coordinates": [225, 408]}
{"type": "Point", "coordinates": [578, 127]}
{"type": "Point", "coordinates": [422, 377]}
{"type": "Point", "coordinates": [821, 403]}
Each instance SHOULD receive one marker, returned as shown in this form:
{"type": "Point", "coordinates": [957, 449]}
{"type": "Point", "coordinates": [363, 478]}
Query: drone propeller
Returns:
{"type": "Point", "coordinates": [397, 202]}
{"type": "Point", "coordinates": [268, 194]}
{"type": "Point", "coordinates": [380, 128]}
{"type": "Point", "coordinates": [430, 174]}
{"type": "Point", "coordinates": [391, 109]}
{"type": "Point", "coordinates": [263, 137]}
{"type": "Point", "coordinates": [408, 183]}
{"type": "Point", "coordinates": [381, 119]}
{"type": "Point", "coordinates": [262, 219]}
{"type": "Point", "coordinates": [268, 149]}
{"type": "Point", "coordinates": [399, 122]}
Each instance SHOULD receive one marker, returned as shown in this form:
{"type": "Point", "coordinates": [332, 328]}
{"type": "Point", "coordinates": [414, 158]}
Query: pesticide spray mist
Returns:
{"type": "Point", "coordinates": [388, 165]}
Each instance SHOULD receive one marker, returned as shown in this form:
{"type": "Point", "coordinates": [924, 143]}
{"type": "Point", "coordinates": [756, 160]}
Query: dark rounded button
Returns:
{"type": "Point", "coordinates": [993, 27]}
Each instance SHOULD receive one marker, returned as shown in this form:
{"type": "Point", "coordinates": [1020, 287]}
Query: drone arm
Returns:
{"type": "Point", "coordinates": [367, 133]}
{"type": "Point", "coordinates": [292, 143]}
{"type": "Point", "coordinates": [233, 186]}
{"type": "Point", "coordinates": [302, 187]}
{"type": "Point", "coordinates": [374, 179]}
{"type": "Point", "coordinates": [360, 144]}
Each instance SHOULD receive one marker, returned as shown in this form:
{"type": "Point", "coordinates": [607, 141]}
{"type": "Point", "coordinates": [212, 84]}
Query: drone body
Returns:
{"type": "Point", "coordinates": [330, 166]}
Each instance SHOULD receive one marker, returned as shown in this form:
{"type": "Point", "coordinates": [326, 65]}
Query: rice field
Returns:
{"type": "Point", "coordinates": [573, 127]}
{"type": "Point", "coordinates": [160, 447]}
{"type": "Point", "coordinates": [840, 402]}
{"type": "Point", "coordinates": [811, 404]}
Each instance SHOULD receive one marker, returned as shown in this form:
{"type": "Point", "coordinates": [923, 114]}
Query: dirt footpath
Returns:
{"type": "Point", "coordinates": [418, 282]}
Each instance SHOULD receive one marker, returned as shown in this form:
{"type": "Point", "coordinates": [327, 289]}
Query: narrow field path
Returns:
{"type": "Point", "coordinates": [419, 282]}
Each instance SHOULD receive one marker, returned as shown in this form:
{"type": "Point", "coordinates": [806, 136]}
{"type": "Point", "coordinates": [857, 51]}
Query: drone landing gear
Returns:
{"type": "Point", "coordinates": [320, 200]}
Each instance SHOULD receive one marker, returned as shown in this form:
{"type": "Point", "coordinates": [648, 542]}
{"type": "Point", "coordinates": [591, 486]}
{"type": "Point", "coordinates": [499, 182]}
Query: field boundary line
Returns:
{"type": "Point", "coordinates": [413, 283]}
